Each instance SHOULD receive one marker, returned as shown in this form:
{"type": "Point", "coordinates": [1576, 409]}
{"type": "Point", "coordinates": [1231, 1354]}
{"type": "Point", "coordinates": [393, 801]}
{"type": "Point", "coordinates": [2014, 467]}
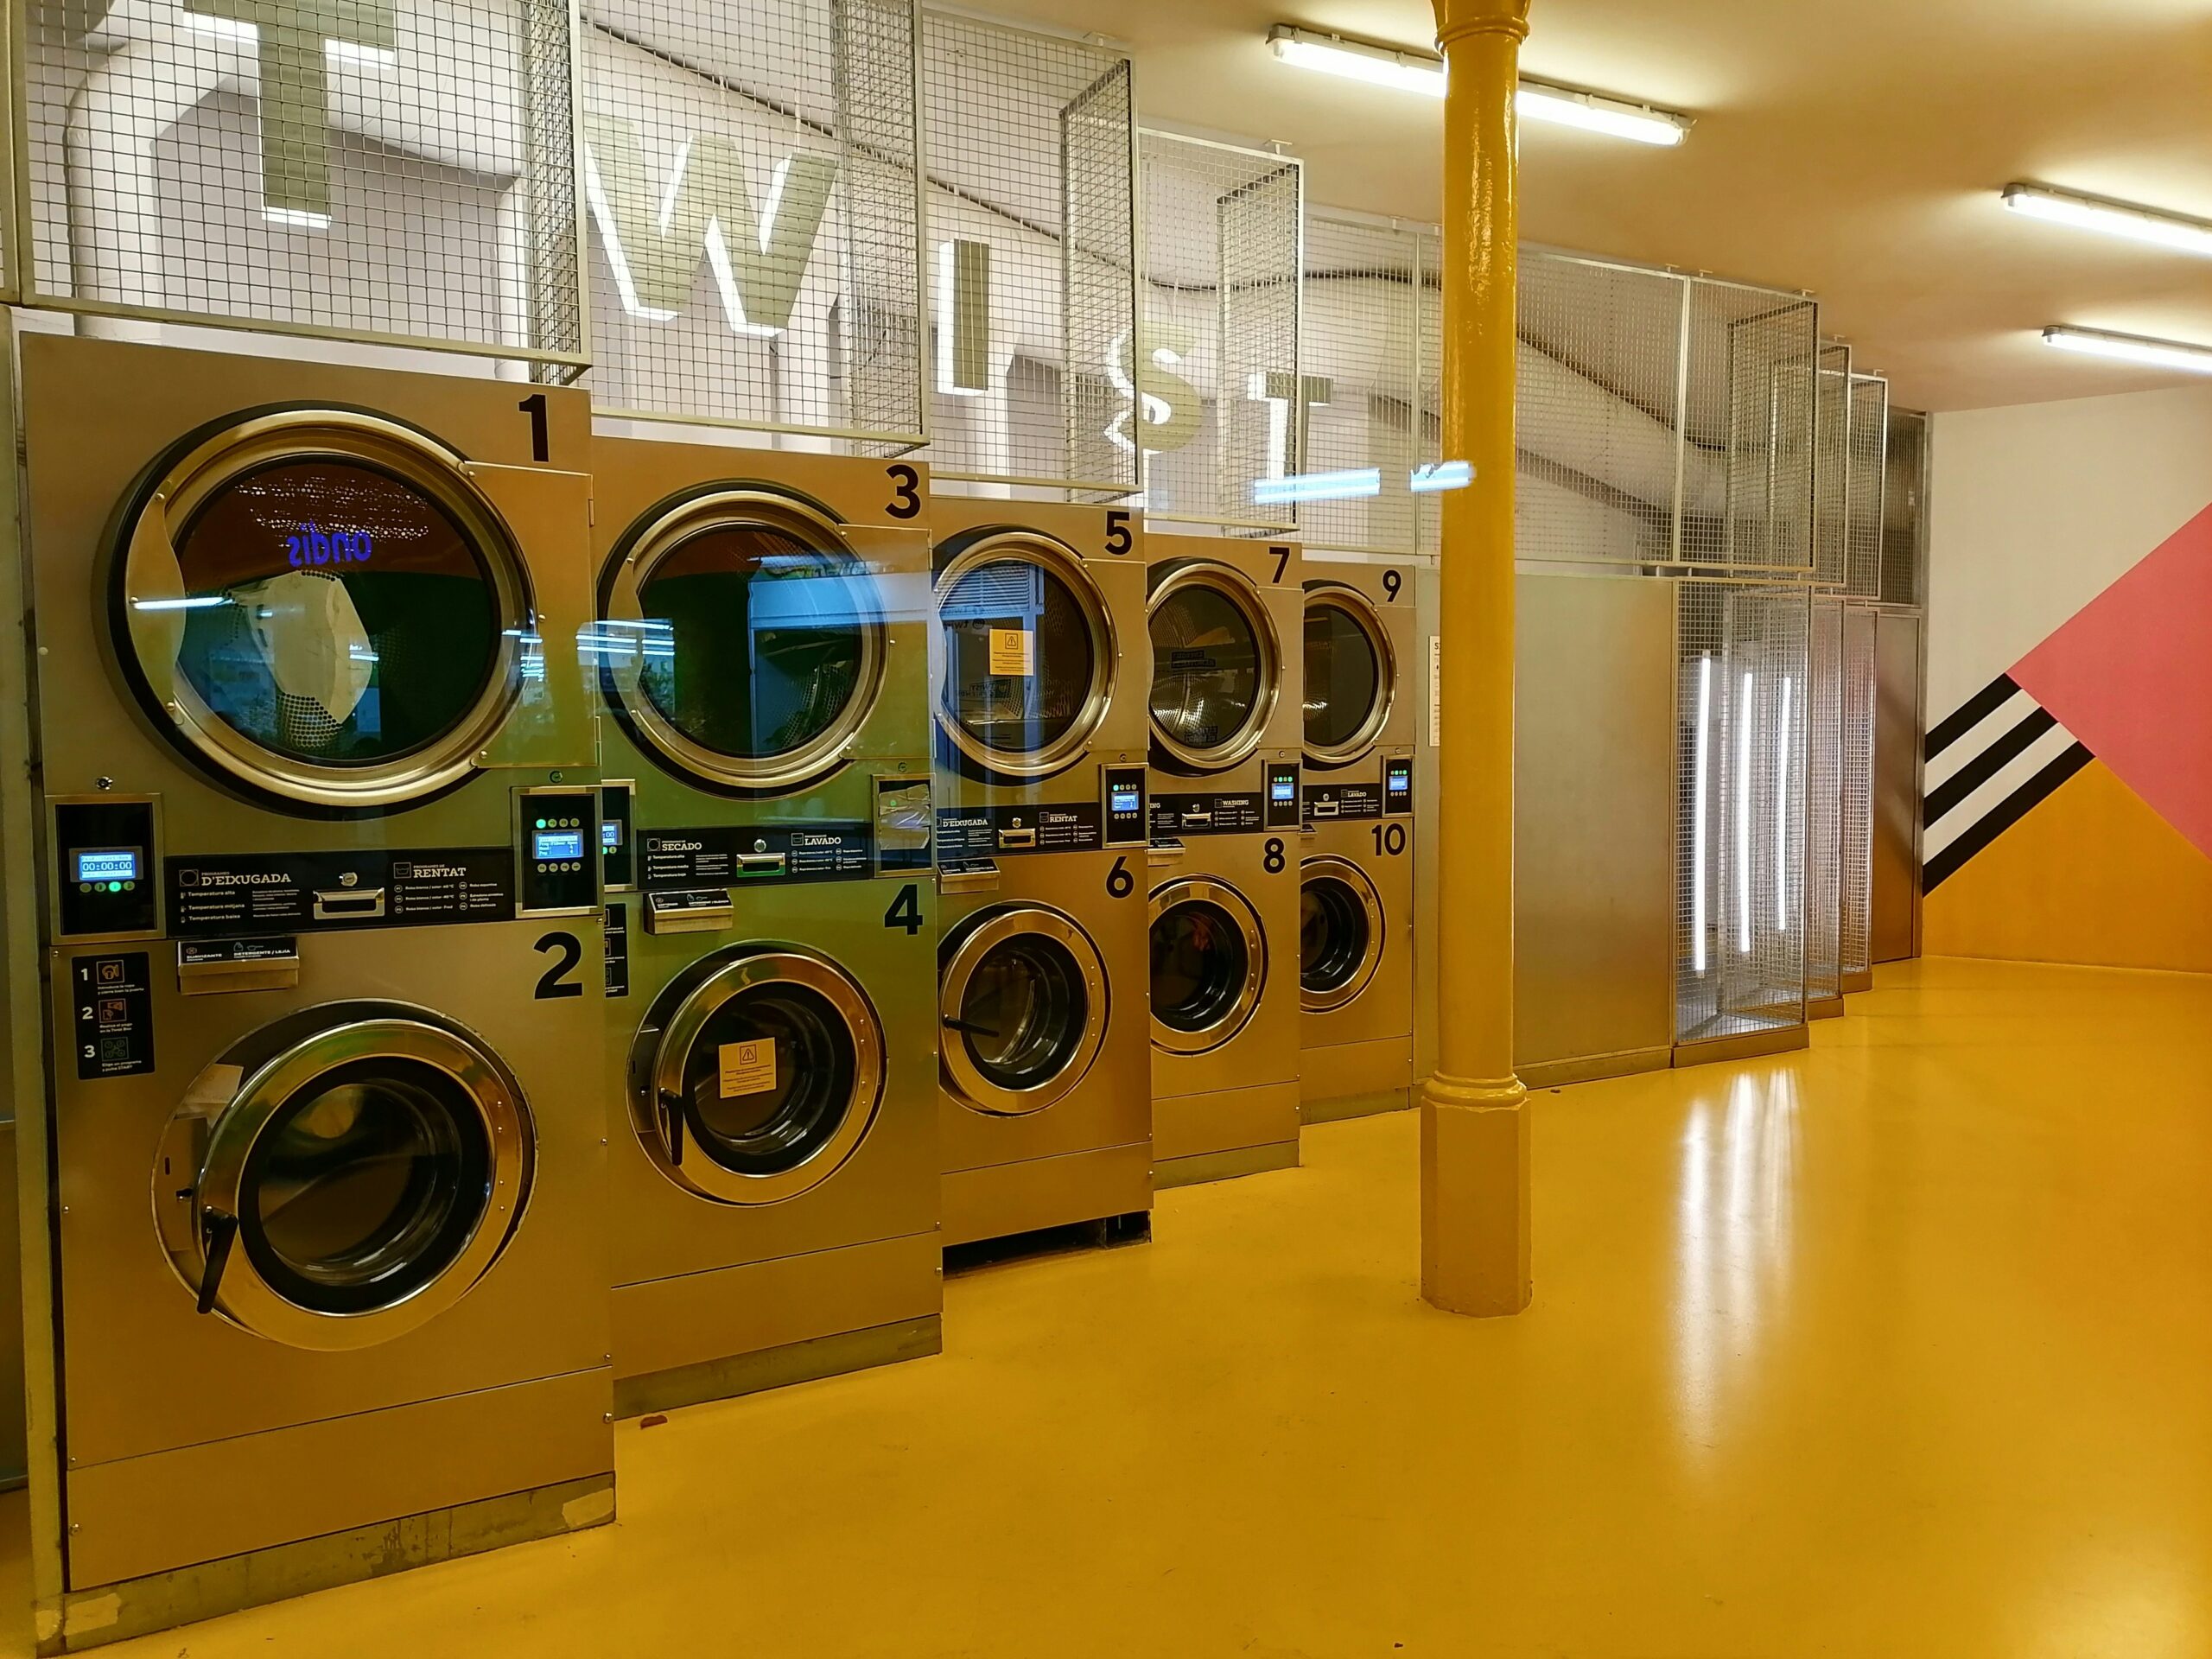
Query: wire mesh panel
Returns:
{"type": "Point", "coordinates": [1747, 415]}
{"type": "Point", "coordinates": [755, 248]}
{"type": "Point", "coordinates": [1361, 393]}
{"type": "Point", "coordinates": [1832, 466]}
{"type": "Point", "coordinates": [1855, 877]}
{"type": "Point", "coordinates": [1216, 378]}
{"type": "Point", "coordinates": [1742, 685]}
{"type": "Point", "coordinates": [1903, 509]}
{"type": "Point", "coordinates": [1824, 801]}
{"type": "Point", "coordinates": [1866, 485]}
{"type": "Point", "coordinates": [1031, 214]}
{"type": "Point", "coordinates": [371, 169]}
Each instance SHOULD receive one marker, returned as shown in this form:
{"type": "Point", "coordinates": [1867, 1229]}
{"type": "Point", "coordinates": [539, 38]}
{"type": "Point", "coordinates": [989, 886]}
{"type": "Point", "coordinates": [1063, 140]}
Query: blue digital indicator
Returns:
{"type": "Point", "coordinates": [103, 864]}
{"type": "Point", "coordinates": [1127, 798]}
{"type": "Point", "coordinates": [548, 845]}
{"type": "Point", "coordinates": [610, 835]}
{"type": "Point", "coordinates": [1282, 791]}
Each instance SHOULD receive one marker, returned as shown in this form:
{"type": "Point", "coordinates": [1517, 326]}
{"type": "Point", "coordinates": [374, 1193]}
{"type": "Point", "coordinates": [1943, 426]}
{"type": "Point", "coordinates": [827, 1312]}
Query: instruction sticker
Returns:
{"type": "Point", "coordinates": [1014, 651]}
{"type": "Point", "coordinates": [747, 1068]}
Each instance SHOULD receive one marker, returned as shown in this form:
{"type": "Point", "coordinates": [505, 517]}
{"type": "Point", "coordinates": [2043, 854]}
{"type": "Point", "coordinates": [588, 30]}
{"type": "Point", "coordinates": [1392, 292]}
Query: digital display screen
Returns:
{"type": "Point", "coordinates": [106, 864]}
{"type": "Point", "coordinates": [610, 835]}
{"type": "Point", "coordinates": [1282, 789]}
{"type": "Point", "coordinates": [548, 845]}
{"type": "Point", "coordinates": [1127, 798]}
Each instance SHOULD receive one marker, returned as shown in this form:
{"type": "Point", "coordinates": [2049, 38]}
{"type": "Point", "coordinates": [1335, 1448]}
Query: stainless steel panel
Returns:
{"type": "Point", "coordinates": [1594, 748]}
{"type": "Point", "coordinates": [1895, 931]}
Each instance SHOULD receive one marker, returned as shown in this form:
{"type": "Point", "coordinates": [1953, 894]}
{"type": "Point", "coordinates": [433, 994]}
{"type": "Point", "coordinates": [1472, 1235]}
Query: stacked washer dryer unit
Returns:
{"type": "Point", "coordinates": [1041, 664]}
{"type": "Point", "coordinates": [1223, 618]}
{"type": "Point", "coordinates": [763, 640]}
{"type": "Point", "coordinates": [1356, 900]}
{"type": "Point", "coordinates": [328, 1158]}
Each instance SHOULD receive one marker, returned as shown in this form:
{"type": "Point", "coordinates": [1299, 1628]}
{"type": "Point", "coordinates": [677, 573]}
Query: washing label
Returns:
{"type": "Point", "coordinates": [747, 1068]}
{"type": "Point", "coordinates": [1014, 652]}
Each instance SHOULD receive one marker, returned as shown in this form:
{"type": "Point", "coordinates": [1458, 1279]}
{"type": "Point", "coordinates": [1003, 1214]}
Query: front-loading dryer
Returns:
{"type": "Point", "coordinates": [762, 642]}
{"type": "Point", "coordinates": [1356, 900]}
{"type": "Point", "coordinates": [1223, 617]}
{"type": "Point", "coordinates": [319, 909]}
{"type": "Point", "coordinates": [1045, 1055]}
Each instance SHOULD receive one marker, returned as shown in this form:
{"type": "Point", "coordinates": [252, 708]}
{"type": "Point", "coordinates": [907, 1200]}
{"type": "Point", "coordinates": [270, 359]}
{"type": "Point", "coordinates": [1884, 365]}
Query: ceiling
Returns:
{"type": "Point", "coordinates": [1853, 149]}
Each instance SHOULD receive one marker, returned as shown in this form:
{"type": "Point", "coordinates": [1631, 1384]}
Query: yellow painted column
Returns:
{"type": "Point", "coordinates": [1474, 1119]}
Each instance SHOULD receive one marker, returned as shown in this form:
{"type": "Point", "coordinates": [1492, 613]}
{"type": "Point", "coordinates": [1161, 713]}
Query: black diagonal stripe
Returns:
{"type": "Point", "coordinates": [2001, 817]}
{"type": "Point", "coordinates": [1987, 765]}
{"type": "Point", "coordinates": [1971, 713]}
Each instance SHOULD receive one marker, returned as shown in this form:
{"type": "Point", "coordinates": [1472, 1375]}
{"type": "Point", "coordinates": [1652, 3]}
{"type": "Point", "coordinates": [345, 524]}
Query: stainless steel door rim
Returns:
{"type": "Point", "coordinates": [215, 1169]}
{"type": "Point", "coordinates": [1066, 1055]}
{"type": "Point", "coordinates": [1223, 1008]}
{"type": "Point", "coordinates": [1173, 691]}
{"type": "Point", "coordinates": [650, 545]}
{"type": "Point", "coordinates": [1348, 741]}
{"type": "Point", "coordinates": [1347, 904]}
{"type": "Point", "coordinates": [157, 607]}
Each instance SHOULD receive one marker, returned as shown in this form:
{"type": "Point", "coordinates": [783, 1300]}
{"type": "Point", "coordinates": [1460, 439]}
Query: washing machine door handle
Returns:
{"type": "Point", "coordinates": [970, 1026]}
{"type": "Point", "coordinates": [672, 1127]}
{"type": "Point", "coordinates": [221, 1229]}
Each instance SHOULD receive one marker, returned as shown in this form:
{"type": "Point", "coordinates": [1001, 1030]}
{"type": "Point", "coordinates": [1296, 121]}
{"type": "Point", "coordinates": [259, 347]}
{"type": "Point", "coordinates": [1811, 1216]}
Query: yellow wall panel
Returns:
{"type": "Point", "coordinates": [2092, 876]}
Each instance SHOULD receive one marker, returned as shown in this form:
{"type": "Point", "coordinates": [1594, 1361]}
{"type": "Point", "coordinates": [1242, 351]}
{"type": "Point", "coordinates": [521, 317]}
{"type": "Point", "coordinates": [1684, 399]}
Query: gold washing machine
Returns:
{"type": "Point", "coordinates": [1223, 617]}
{"type": "Point", "coordinates": [322, 928]}
{"type": "Point", "coordinates": [1047, 1115]}
{"type": "Point", "coordinates": [1356, 900]}
{"type": "Point", "coordinates": [763, 643]}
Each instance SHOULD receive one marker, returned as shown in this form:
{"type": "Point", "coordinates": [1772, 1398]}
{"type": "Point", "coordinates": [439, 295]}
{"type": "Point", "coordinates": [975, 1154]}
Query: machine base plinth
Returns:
{"type": "Point", "coordinates": [776, 1368]}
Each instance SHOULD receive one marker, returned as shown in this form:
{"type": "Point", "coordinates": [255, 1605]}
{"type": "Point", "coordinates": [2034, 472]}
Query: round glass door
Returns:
{"type": "Point", "coordinates": [1215, 666]}
{"type": "Point", "coordinates": [742, 640]}
{"type": "Point", "coordinates": [1023, 1001]}
{"type": "Point", "coordinates": [323, 607]}
{"type": "Point", "coordinates": [1028, 654]}
{"type": "Point", "coordinates": [1350, 676]}
{"type": "Point", "coordinates": [1208, 965]}
{"type": "Point", "coordinates": [359, 1169]}
{"type": "Point", "coordinates": [1339, 933]}
{"type": "Point", "coordinates": [762, 1073]}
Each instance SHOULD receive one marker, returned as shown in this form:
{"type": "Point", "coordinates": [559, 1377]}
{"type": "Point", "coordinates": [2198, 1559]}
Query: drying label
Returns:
{"type": "Point", "coordinates": [1014, 652]}
{"type": "Point", "coordinates": [277, 892]}
{"type": "Point", "coordinates": [746, 1068]}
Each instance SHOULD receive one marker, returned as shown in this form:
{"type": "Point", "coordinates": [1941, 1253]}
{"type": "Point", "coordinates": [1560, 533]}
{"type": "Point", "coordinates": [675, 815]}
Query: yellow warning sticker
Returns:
{"type": "Point", "coordinates": [747, 1068]}
{"type": "Point", "coordinates": [1012, 651]}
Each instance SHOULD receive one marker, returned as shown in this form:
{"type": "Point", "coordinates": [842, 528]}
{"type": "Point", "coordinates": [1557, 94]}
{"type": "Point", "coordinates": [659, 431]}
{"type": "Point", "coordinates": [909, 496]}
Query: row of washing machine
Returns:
{"type": "Point", "coordinates": [451, 818]}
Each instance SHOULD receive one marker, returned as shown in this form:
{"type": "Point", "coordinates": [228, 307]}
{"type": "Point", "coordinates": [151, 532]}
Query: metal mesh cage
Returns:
{"type": "Point", "coordinates": [1366, 315]}
{"type": "Point", "coordinates": [1217, 374]}
{"type": "Point", "coordinates": [1824, 801]}
{"type": "Point", "coordinates": [1748, 376]}
{"type": "Point", "coordinates": [755, 254]}
{"type": "Point", "coordinates": [1742, 662]}
{"type": "Point", "coordinates": [1031, 214]}
{"type": "Point", "coordinates": [374, 169]}
{"type": "Point", "coordinates": [1866, 485]}
{"type": "Point", "coordinates": [1855, 875]}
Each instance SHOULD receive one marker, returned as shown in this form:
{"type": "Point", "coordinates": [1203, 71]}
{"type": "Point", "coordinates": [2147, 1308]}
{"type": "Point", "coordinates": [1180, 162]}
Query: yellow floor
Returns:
{"type": "Point", "coordinates": [1902, 1346]}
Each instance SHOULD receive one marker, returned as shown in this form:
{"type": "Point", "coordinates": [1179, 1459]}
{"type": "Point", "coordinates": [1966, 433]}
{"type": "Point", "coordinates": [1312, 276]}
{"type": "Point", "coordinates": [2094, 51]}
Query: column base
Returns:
{"type": "Point", "coordinates": [1474, 1196]}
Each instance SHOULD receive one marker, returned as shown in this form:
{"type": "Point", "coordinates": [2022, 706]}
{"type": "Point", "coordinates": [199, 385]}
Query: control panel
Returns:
{"type": "Point", "coordinates": [1397, 785]}
{"type": "Point", "coordinates": [105, 880]}
{"type": "Point", "coordinates": [618, 856]}
{"type": "Point", "coordinates": [1284, 809]}
{"type": "Point", "coordinates": [557, 851]}
{"type": "Point", "coordinates": [1122, 790]}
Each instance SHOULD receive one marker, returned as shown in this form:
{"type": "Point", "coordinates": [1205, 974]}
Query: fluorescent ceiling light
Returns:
{"type": "Point", "coordinates": [2131, 349]}
{"type": "Point", "coordinates": [1421, 72]}
{"type": "Point", "coordinates": [2112, 217]}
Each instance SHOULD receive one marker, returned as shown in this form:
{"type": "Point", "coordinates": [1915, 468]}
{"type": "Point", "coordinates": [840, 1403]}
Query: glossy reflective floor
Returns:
{"type": "Point", "coordinates": [1899, 1346]}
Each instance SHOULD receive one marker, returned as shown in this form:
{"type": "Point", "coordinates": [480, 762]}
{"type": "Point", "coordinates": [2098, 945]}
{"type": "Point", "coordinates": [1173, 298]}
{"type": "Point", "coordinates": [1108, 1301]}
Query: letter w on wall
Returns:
{"type": "Point", "coordinates": [655, 239]}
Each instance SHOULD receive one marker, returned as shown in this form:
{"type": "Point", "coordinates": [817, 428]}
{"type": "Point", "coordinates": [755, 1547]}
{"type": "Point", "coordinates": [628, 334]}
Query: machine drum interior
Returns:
{"type": "Point", "coordinates": [1200, 963]}
{"type": "Point", "coordinates": [333, 613]}
{"type": "Point", "coordinates": [754, 643]}
{"type": "Point", "coordinates": [1332, 934]}
{"type": "Point", "coordinates": [365, 1185]}
{"type": "Point", "coordinates": [770, 1080]}
{"type": "Point", "coordinates": [1024, 1012]}
{"type": "Point", "coordinates": [1022, 665]}
{"type": "Point", "coordinates": [1346, 693]}
{"type": "Point", "coordinates": [1209, 675]}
